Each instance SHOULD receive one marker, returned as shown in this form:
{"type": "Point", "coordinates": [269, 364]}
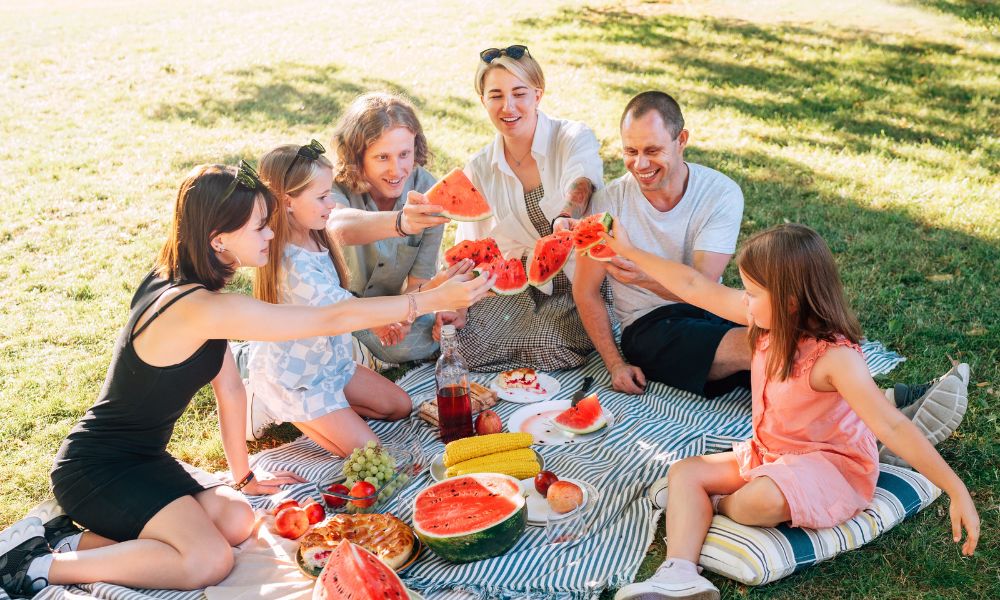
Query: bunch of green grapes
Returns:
{"type": "Point", "coordinates": [376, 466]}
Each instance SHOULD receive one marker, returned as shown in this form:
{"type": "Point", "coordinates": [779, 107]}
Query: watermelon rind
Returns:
{"type": "Point", "coordinates": [603, 220]}
{"type": "Point", "coordinates": [467, 218]}
{"type": "Point", "coordinates": [492, 539]}
{"type": "Point", "coordinates": [598, 251]}
{"type": "Point", "coordinates": [571, 419]}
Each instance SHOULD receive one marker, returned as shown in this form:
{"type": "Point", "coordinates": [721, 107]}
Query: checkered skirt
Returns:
{"type": "Point", "coordinates": [530, 329]}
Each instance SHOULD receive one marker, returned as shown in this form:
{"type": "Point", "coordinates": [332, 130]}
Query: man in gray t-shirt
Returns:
{"type": "Point", "coordinates": [681, 211]}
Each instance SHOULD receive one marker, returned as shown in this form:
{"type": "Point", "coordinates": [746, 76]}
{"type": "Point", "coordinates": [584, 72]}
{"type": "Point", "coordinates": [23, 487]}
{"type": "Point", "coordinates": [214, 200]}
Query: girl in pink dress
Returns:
{"type": "Point", "coordinates": [812, 460]}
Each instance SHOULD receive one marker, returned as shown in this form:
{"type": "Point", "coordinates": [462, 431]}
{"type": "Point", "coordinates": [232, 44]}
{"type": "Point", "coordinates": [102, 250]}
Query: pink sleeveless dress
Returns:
{"type": "Point", "coordinates": [811, 444]}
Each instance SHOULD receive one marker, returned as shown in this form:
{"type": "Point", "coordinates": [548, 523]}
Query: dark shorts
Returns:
{"type": "Point", "coordinates": [116, 498]}
{"type": "Point", "coordinates": [675, 344]}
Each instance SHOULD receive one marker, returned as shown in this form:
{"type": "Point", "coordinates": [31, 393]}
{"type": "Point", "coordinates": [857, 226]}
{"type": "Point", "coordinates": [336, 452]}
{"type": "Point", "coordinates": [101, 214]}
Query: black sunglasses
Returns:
{"type": "Point", "coordinates": [245, 176]}
{"type": "Point", "coordinates": [516, 52]}
{"type": "Point", "coordinates": [312, 151]}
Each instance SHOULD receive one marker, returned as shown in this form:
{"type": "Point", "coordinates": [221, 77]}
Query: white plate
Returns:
{"type": "Point", "coordinates": [536, 419]}
{"type": "Point", "coordinates": [438, 469]}
{"type": "Point", "coordinates": [539, 510]}
{"type": "Point", "coordinates": [550, 383]}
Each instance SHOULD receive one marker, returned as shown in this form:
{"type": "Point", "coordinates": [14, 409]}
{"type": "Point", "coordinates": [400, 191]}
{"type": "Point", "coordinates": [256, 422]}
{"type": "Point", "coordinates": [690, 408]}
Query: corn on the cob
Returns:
{"type": "Point", "coordinates": [492, 463]}
{"type": "Point", "coordinates": [471, 447]}
{"type": "Point", "coordinates": [518, 469]}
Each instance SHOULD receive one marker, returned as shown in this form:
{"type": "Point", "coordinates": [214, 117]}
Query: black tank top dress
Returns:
{"type": "Point", "coordinates": [113, 473]}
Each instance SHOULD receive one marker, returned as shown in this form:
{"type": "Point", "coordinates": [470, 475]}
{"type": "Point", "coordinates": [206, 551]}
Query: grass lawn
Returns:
{"type": "Point", "coordinates": [874, 122]}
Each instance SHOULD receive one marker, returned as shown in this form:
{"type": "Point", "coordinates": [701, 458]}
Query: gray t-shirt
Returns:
{"type": "Point", "coordinates": [706, 219]}
{"type": "Point", "coordinates": [381, 268]}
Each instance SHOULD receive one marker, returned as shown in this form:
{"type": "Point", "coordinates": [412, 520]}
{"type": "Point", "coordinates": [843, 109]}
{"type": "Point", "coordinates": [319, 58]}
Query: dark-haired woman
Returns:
{"type": "Point", "coordinates": [153, 521]}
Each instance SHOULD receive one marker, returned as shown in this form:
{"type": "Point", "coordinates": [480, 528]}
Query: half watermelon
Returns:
{"type": "Point", "coordinates": [601, 252]}
{"type": "Point", "coordinates": [586, 417]}
{"type": "Point", "coordinates": [459, 198]}
{"type": "Point", "coordinates": [550, 255]}
{"type": "Point", "coordinates": [587, 232]}
{"type": "Point", "coordinates": [470, 517]}
{"type": "Point", "coordinates": [353, 573]}
{"type": "Point", "coordinates": [511, 278]}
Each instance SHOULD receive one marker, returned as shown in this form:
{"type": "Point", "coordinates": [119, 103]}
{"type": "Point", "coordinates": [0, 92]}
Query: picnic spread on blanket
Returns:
{"type": "Point", "coordinates": [485, 535]}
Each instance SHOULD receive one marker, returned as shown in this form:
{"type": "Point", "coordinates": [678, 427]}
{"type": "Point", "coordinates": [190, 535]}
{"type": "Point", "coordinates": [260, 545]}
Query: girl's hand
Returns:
{"type": "Point", "coordinates": [418, 215]}
{"type": "Point", "coordinates": [620, 243]}
{"type": "Point", "coordinates": [462, 291]}
{"type": "Point", "coordinates": [266, 484]}
{"type": "Point", "coordinates": [963, 514]}
{"type": "Point", "coordinates": [463, 266]}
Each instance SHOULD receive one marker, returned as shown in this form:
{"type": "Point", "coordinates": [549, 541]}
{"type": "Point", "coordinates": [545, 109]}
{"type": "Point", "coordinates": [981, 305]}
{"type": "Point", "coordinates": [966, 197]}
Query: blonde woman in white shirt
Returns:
{"type": "Point", "coordinates": [538, 174]}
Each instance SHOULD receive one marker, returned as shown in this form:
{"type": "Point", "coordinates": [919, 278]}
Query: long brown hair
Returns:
{"type": "Point", "coordinates": [201, 213]}
{"type": "Point", "coordinates": [796, 267]}
{"type": "Point", "coordinates": [274, 172]}
{"type": "Point", "coordinates": [368, 117]}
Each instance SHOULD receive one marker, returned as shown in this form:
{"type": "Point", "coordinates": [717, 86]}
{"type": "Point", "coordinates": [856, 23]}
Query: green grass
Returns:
{"type": "Point", "coordinates": [874, 122]}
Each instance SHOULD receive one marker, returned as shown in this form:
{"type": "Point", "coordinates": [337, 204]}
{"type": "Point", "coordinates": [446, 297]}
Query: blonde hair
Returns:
{"type": "Point", "coordinates": [275, 173]}
{"type": "Point", "coordinates": [365, 120]}
{"type": "Point", "coordinates": [525, 68]}
{"type": "Point", "coordinates": [796, 267]}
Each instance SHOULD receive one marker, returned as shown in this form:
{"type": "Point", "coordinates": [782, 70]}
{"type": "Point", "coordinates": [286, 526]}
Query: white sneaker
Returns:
{"type": "Point", "coordinates": [939, 412]}
{"type": "Point", "coordinates": [670, 581]}
{"type": "Point", "coordinates": [657, 492]}
{"type": "Point", "coordinates": [259, 417]}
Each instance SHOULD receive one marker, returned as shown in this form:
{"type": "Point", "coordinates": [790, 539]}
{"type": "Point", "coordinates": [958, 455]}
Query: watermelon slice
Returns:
{"type": "Point", "coordinates": [587, 232]}
{"type": "Point", "coordinates": [353, 573]}
{"type": "Point", "coordinates": [550, 255]}
{"type": "Point", "coordinates": [601, 252]}
{"type": "Point", "coordinates": [459, 198]}
{"type": "Point", "coordinates": [586, 417]}
{"type": "Point", "coordinates": [470, 517]}
{"type": "Point", "coordinates": [511, 278]}
{"type": "Point", "coordinates": [480, 252]}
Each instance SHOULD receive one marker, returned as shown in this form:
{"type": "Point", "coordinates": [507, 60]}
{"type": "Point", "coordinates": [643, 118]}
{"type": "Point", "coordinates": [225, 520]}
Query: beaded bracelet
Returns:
{"type": "Point", "coordinates": [411, 314]}
{"type": "Point", "coordinates": [244, 482]}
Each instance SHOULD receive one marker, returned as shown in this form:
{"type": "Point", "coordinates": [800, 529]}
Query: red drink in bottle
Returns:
{"type": "Point", "coordinates": [454, 413]}
{"type": "Point", "coordinates": [454, 408]}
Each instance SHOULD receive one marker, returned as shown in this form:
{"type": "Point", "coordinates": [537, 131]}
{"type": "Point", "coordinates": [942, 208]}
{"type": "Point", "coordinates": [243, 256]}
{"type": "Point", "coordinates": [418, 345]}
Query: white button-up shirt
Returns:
{"type": "Point", "coordinates": [564, 152]}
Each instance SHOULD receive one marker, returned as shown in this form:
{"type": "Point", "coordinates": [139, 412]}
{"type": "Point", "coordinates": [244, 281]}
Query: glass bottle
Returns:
{"type": "Point", "coordinates": [452, 377]}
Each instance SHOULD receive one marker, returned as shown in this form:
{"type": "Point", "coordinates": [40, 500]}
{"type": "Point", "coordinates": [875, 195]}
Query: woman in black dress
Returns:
{"type": "Point", "coordinates": [153, 521]}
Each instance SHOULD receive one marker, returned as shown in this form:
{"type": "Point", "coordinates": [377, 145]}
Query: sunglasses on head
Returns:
{"type": "Point", "coordinates": [516, 52]}
{"type": "Point", "coordinates": [312, 151]}
{"type": "Point", "coordinates": [245, 176]}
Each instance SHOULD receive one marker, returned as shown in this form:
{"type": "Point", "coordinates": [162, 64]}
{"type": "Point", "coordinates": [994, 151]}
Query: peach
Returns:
{"type": "Point", "coordinates": [314, 511]}
{"type": "Point", "coordinates": [564, 496]}
{"type": "Point", "coordinates": [291, 522]}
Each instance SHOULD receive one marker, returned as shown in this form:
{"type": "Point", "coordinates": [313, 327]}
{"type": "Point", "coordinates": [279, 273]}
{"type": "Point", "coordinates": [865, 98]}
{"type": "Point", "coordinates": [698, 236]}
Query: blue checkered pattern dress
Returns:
{"type": "Point", "coordinates": [302, 380]}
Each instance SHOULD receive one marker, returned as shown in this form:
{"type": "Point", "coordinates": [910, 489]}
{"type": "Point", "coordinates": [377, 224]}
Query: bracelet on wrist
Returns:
{"type": "Point", "coordinates": [411, 314]}
{"type": "Point", "coordinates": [399, 225]}
{"type": "Point", "coordinates": [243, 482]}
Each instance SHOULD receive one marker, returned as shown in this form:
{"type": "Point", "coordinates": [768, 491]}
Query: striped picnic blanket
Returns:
{"type": "Point", "coordinates": [649, 433]}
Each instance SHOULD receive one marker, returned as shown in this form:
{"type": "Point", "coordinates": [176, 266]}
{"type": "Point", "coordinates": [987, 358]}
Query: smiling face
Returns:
{"type": "Point", "coordinates": [388, 162]}
{"type": "Point", "coordinates": [651, 153]}
{"type": "Point", "coordinates": [248, 246]}
{"type": "Point", "coordinates": [510, 103]}
{"type": "Point", "coordinates": [310, 207]}
{"type": "Point", "coordinates": [757, 301]}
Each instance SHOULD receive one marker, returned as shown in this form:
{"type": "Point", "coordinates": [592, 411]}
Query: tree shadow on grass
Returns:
{"type": "Point", "coordinates": [978, 12]}
{"type": "Point", "coordinates": [856, 89]}
{"type": "Point", "coordinates": [297, 95]}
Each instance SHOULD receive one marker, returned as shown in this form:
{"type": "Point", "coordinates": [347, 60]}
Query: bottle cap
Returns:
{"type": "Point", "coordinates": [447, 330]}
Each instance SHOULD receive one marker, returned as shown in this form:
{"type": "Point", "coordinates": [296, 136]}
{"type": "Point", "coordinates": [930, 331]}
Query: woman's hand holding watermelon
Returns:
{"type": "Point", "coordinates": [618, 240]}
{"type": "Point", "coordinates": [459, 268]}
{"type": "Point", "coordinates": [418, 214]}
{"type": "Point", "coordinates": [461, 291]}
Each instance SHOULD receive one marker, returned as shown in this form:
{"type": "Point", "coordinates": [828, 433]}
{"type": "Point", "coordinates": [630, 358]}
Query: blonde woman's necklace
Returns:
{"type": "Point", "coordinates": [517, 161]}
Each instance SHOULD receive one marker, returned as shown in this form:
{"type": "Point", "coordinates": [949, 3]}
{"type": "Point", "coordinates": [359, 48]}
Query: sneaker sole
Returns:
{"type": "Point", "coordinates": [940, 413]}
{"type": "Point", "coordinates": [20, 532]}
{"type": "Point", "coordinates": [656, 595]}
{"type": "Point", "coordinates": [46, 511]}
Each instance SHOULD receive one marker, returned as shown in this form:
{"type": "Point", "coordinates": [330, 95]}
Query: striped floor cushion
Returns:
{"type": "Point", "coordinates": [759, 555]}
